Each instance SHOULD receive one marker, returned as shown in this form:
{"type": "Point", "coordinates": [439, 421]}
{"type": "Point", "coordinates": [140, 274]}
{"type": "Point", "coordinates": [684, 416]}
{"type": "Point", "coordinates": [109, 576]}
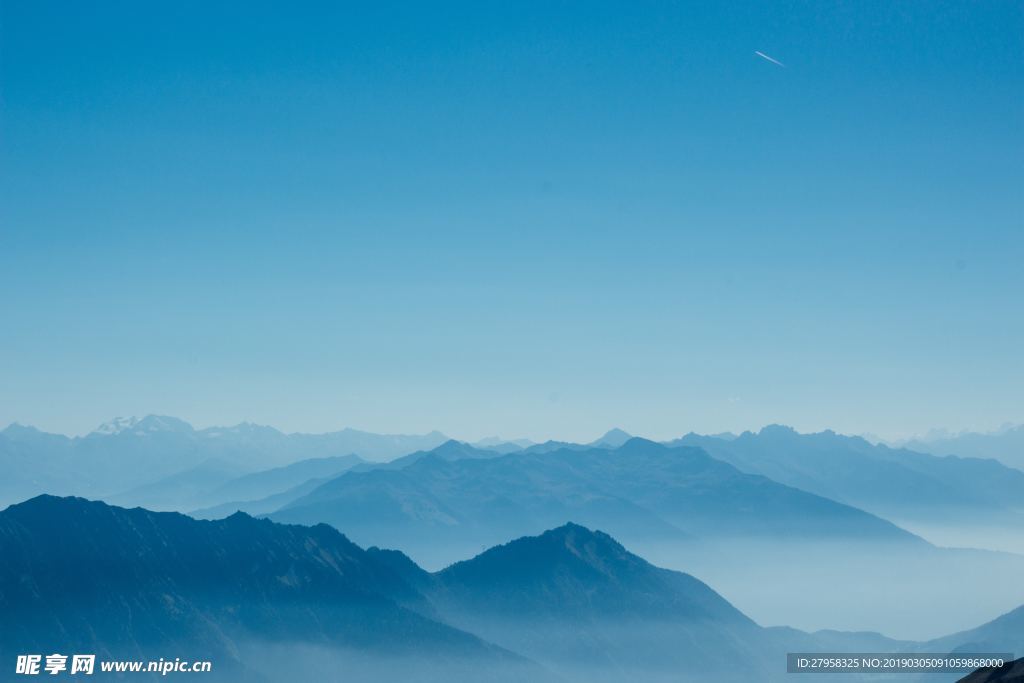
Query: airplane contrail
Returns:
{"type": "Point", "coordinates": [773, 61]}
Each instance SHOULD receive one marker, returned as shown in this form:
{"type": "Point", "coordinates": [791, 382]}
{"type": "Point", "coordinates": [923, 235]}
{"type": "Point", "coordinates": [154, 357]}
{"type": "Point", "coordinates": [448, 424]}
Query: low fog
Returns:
{"type": "Point", "coordinates": [901, 593]}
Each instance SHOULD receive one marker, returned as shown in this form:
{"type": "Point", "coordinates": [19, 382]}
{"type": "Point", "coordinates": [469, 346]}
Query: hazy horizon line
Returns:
{"type": "Point", "coordinates": [936, 433]}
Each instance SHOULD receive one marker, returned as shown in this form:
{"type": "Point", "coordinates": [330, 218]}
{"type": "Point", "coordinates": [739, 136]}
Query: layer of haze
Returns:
{"type": "Point", "coordinates": [531, 219]}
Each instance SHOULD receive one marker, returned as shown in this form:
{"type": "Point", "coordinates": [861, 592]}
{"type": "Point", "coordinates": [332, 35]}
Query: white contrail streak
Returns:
{"type": "Point", "coordinates": [773, 61]}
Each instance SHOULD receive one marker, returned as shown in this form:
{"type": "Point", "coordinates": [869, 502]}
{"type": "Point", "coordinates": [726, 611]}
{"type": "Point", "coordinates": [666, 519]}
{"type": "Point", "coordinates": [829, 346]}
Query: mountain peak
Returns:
{"type": "Point", "coordinates": [46, 505]}
{"type": "Point", "coordinates": [571, 531]}
{"type": "Point", "coordinates": [572, 571]}
{"type": "Point", "coordinates": [569, 528]}
{"type": "Point", "coordinates": [250, 428]}
{"type": "Point", "coordinates": [777, 430]}
{"type": "Point", "coordinates": [613, 438]}
{"type": "Point", "coordinates": [16, 429]}
{"type": "Point", "coordinates": [452, 444]}
{"type": "Point", "coordinates": [492, 441]}
{"type": "Point", "coordinates": [116, 426]}
{"type": "Point", "coordinates": [239, 517]}
{"type": "Point", "coordinates": [145, 425]}
{"type": "Point", "coordinates": [162, 423]}
{"type": "Point", "coordinates": [451, 450]}
{"type": "Point", "coordinates": [570, 549]}
{"type": "Point", "coordinates": [636, 443]}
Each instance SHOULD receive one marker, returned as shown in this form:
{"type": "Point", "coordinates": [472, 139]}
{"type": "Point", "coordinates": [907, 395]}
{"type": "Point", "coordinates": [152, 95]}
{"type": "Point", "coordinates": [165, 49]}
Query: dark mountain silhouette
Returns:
{"type": "Point", "coordinates": [1012, 672]}
{"type": "Point", "coordinates": [249, 594]}
{"type": "Point", "coordinates": [580, 571]}
{"type": "Point", "coordinates": [1003, 634]}
{"type": "Point", "coordinates": [81, 576]}
{"type": "Point", "coordinates": [580, 603]}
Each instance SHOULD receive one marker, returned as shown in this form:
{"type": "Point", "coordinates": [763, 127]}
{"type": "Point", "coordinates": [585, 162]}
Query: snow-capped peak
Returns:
{"type": "Point", "coordinates": [142, 426]}
{"type": "Point", "coordinates": [117, 425]}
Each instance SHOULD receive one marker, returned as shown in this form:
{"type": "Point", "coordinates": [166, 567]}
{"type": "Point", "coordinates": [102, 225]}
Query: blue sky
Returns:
{"type": "Point", "coordinates": [530, 219]}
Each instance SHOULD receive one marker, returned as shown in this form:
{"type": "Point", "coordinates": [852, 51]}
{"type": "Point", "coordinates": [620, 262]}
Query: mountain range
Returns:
{"type": "Point", "coordinates": [84, 577]}
{"type": "Point", "coordinates": [459, 499]}
{"type": "Point", "coordinates": [708, 505]}
{"type": "Point", "coordinates": [898, 484]}
{"type": "Point", "coordinates": [213, 483]}
{"type": "Point", "coordinates": [1005, 445]}
{"type": "Point", "coordinates": [128, 455]}
{"type": "Point", "coordinates": [163, 463]}
{"type": "Point", "coordinates": [683, 509]}
{"type": "Point", "coordinates": [587, 608]}
{"type": "Point", "coordinates": [264, 601]}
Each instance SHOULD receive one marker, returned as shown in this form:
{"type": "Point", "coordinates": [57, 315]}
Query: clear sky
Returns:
{"type": "Point", "coordinates": [527, 219]}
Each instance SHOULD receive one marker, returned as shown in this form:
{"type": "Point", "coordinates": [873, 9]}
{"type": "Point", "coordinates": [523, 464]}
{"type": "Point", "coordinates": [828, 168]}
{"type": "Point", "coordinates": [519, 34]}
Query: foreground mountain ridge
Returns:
{"type": "Point", "coordinates": [570, 603]}
{"type": "Point", "coordinates": [83, 576]}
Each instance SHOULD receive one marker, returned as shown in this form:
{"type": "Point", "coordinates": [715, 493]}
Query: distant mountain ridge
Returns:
{"type": "Point", "coordinates": [213, 483]}
{"type": "Point", "coordinates": [784, 494]}
{"type": "Point", "coordinates": [678, 506]}
{"type": "Point", "coordinates": [894, 483]}
{"type": "Point", "coordinates": [125, 460]}
{"type": "Point", "coordinates": [1005, 445]}
{"type": "Point", "coordinates": [613, 438]}
{"type": "Point", "coordinates": [128, 453]}
{"type": "Point", "coordinates": [466, 497]}
{"type": "Point", "coordinates": [141, 426]}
